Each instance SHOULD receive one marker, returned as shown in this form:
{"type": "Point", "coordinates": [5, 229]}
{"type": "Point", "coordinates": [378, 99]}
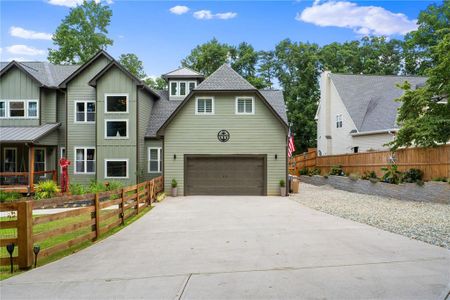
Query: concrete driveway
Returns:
{"type": "Point", "coordinates": [242, 247]}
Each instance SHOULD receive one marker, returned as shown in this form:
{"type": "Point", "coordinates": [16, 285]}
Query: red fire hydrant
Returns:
{"type": "Point", "coordinates": [64, 163]}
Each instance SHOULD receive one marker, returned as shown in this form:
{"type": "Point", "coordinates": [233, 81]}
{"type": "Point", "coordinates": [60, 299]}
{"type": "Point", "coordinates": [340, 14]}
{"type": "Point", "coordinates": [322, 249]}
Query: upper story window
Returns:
{"type": "Point", "coordinates": [84, 111]}
{"type": "Point", "coordinates": [181, 88]}
{"type": "Point", "coordinates": [204, 106]}
{"type": "Point", "coordinates": [116, 129]}
{"type": "Point", "coordinates": [116, 103]}
{"type": "Point", "coordinates": [19, 109]}
{"type": "Point", "coordinates": [339, 121]}
{"type": "Point", "coordinates": [245, 105]}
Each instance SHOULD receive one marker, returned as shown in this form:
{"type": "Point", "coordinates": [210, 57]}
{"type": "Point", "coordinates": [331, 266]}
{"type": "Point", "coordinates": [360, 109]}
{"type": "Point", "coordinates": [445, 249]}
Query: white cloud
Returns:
{"type": "Point", "coordinates": [17, 59]}
{"type": "Point", "coordinates": [179, 9]}
{"type": "Point", "coordinates": [366, 20]}
{"type": "Point", "coordinates": [208, 15]}
{"type": "Point", "coordinates": [24, 50]}
{"type": "Point", "coordinates": [29, 34]}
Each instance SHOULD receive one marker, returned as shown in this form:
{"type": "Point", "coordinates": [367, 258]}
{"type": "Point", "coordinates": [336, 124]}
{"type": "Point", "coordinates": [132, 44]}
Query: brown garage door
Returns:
{"type": "Point", "coordinates": [225, 175]}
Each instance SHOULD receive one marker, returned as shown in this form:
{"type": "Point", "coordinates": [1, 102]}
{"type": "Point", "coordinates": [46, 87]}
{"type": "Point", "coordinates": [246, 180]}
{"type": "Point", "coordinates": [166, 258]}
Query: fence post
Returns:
{"type": "Point", "coordinates": [97, 217]}
{"type": "Point", "coordinates": [137, 199]}
{"type": "Point", "coordinates": [25, 234]}
{"type": "Point", "coordinates": [123, 207]}
{"type": "Point", "coordinates": [148, 194]}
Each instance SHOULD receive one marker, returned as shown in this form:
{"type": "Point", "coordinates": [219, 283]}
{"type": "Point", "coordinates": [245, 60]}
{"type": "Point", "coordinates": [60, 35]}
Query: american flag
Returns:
{"type": "Point", "coordinates": [291, 145]}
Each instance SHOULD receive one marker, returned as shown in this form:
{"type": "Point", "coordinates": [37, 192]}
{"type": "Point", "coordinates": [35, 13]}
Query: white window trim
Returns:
{"type": "Point", "coordinates": [116, 94]}
{"type": "Point", "coordinates": [26, 103]}
{"type": "Point", "coordinates": [45, 160]}
{"type": "Point", "coordinates": [177, 82]}
{"type": "Point", "coordinates": [339, 118]}
{"type": "Point", "coordinates": [115, 137]}
{"type": "Point", "coordinates": [15, 155]}
{"type": "Point", "coordinates": [115, 159]}
{"type": "Point", "coordinates": [204, 113]}
{"type": "Point", "coordinates": [85, 111]}
{"type": "Point", "coordinates": [189, 82]}
{"type": "Point", "coordinates": [84, 148]}
{"type": "Point", "coordinates": [159, 159]}
{"type": "Point", "coordinates": [244, 113]}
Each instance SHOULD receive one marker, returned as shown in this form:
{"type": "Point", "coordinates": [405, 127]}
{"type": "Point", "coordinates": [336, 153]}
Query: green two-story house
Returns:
{"type": "Point", "coordinates": [216, 136]}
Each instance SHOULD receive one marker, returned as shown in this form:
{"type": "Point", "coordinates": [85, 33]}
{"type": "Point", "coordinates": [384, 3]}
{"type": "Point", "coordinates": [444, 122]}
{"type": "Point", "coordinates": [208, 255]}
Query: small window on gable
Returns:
{"type": "Point", "coordinates": [204, 106]}
{"type": "Point", "coordinates": [116, 104]}
{"type": "Point", "coordinates": [192, 85]}
{"type": "Point", "coordinates": [245, 105]}
{"type": "Point", "coordinates": [173, 88]}
{"type": "Point", "coordinates": [182, 88]}
{"type": "Point", "coordinates": [339, 121]}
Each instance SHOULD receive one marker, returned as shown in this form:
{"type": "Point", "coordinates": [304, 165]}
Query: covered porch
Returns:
{"type": "Point", "coordinates": [29, 155]}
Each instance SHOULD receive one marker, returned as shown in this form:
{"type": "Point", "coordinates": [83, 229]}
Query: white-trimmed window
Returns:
{"type": "Point", "coordinates": [245, 105]}
{"type": "Point", "coordinates": [154, 160]}
{"type": "Point", "coordinates": [181, 88]}
{"type": "Point", "coordinates": [116, 129]}
{"type": "Point", "coordinates": [116, 168]}
{"type": "Point", "coordinates": [191, 86]}
{"type": "Point", "coordinates": [116, 103]}
{"type": "Point", "coordinates": [84, 111]}
{"type": "Point", "coordinates": [9, 159]}
{"type": "Point", "coordinates": [19, 109]}
{"type": "Point", "coordinates": [204, 106]}
{"type": "Point", "coordinates": [339, 121]}
{"type": "Point", "coordinates": [84, 160]}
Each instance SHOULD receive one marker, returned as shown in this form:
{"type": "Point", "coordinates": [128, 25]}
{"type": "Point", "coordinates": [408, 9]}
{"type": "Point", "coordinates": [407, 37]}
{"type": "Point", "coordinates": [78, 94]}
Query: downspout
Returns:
{"type": "Point", "coordinates": [137, 136]}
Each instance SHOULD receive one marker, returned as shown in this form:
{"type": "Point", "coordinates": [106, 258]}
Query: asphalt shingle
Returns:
{"type": "Point", "coordinates": [224, 79]}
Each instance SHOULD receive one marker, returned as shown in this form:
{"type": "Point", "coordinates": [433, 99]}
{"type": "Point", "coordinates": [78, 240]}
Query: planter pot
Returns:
{"type": "Point", "coordinates": [174, 192]}
{"type": "Point", "coordinates": [283, 191]}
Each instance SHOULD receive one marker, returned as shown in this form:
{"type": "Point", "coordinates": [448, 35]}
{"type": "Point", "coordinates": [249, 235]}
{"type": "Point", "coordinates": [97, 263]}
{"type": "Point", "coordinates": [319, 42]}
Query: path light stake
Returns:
{"type": "Point", "coordinates": [36, 250]}
{"type": "Point", "coordinates": [10, 249]}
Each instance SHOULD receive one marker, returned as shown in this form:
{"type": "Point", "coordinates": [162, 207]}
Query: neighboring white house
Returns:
{"type": "Point", "coordinates": [357, 113]}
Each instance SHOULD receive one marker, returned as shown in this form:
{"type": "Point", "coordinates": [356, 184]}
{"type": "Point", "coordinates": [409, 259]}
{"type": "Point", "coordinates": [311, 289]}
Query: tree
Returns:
{"type": "Point", "coordinates": [297, 70]}
{"type": "Point", "coordinates": [81, 34]}
{"type": "Point", "coordinates": [133, 64]}
{"type": "Point", "coordinates": [418, 44]}
{"type": "Point", "coordinates": [424, 115]}
{"type": "Point", "coordinates": [208, 57]}
{"type": "Point", "coordinates": [266, 68]}
{"type": "Point", "coordinates": [156, 83]}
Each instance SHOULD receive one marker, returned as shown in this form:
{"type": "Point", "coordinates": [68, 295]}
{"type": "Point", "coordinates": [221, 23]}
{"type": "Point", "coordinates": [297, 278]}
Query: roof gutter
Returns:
{"type": "Point", "coordinates": [390, 131]}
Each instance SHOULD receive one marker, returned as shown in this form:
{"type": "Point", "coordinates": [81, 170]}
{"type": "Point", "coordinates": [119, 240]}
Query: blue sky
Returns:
{"type": "Point", "coordinates": [161, 37]}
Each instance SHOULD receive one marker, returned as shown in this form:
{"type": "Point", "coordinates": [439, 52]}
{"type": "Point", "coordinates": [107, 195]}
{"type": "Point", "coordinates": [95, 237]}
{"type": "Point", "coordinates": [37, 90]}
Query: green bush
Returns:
{"type": "Point", "coordinates": [303, 171]}
{"type": "Point", "coordinates": [77, 189]}
{"type": "Point", "coordinates": [174, 183]}
{"type": "Point", "coordinates": [369, 174]}
{"type": "Point", "coordinates": [314, 171]}
{"type": "Point", "coordinates": [412, 176]}
{"type": "Point", "coordinates": [282, 183]}
{"type": "Point", "coordinates": [443, 179]}
{"type": "Point", "coordinates": [113, 185]}
{"type": "Point", "coordinates": [337, 170]}
{"type": "Point", "coordinates": [353, 176]}
{"type": "Point", "coordinates": [391, 174]}
{"type": "Point", "coordinates": [9, 196]}
{"type": "Point", "coordinates": [46, 189]}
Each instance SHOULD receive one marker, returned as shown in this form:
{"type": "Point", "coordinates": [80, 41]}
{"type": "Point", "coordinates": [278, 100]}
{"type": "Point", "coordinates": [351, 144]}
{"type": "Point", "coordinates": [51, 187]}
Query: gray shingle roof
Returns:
{"type": "Point", "coordinates": [276, 100]}
{"type": "Point", "coordinates": [46, 73]}
{"type": "Point", "coordinates": [26, 134]}
{"type": "Point", "coordinates": [370, 99]}
{"type": "Point", "coordinates": [162, 109]}
{"type": "Point", "coordinates": [224, 79]}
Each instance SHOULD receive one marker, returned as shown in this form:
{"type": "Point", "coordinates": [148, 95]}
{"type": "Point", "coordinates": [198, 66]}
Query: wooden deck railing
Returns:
{"type": "Point", "coordinates": [20, 181]}
{"type": "Point", "coordinates": [94, 215]}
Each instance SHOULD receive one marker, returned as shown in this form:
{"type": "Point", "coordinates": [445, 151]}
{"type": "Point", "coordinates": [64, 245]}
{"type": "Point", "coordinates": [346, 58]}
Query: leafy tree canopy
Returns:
{"type": "Point", "coordinates": [81, 34]}
{"type": "Point", "coordinates": [157, 83]}
{"type": "Point", "coordinates": [133, 64]}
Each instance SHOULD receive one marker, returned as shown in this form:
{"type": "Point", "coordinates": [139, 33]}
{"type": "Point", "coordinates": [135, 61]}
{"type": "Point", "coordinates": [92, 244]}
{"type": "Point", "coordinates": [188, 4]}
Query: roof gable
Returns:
{"type": "Point", "coordinates": [225, 79]}
{"type": "Point", "coordinates": [370, 99]}
{"type": "Point", "coordinates": [183, 73]}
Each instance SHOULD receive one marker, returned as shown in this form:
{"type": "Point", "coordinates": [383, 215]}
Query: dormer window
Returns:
{"type": "Point", "coordinates": [181, 88]}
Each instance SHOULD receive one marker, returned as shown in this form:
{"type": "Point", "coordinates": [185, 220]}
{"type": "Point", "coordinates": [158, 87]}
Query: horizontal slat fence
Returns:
{"type": "Point", "coordinates": [85, 218]}
{"type": "Point", "coordinates": [434, 162]}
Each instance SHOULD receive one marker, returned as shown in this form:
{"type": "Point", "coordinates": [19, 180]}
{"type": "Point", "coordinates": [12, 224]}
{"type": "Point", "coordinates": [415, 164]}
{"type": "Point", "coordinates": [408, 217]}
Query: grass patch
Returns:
{"type": "Point", "coordinates": [12, 233]}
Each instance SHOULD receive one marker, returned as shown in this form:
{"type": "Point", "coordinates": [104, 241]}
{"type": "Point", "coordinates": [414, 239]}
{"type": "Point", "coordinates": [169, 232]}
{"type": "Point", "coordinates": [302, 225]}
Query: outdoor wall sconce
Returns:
{"type": "Point", "coordinates": [174, 156]}
{"type": "Point", "coordinates": [276, 156]}
{"type": "Point", "coordinates": [10, 249]}
{"type": "Point", "coordinates": [36, 250]}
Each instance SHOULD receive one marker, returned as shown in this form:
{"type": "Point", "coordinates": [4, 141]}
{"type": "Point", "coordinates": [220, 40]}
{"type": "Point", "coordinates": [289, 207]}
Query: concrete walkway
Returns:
{"type": "Point", "coordinates": [242, 247]}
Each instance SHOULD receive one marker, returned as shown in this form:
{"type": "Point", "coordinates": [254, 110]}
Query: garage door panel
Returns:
{"type": "Point", "coordinates": [225, 175]}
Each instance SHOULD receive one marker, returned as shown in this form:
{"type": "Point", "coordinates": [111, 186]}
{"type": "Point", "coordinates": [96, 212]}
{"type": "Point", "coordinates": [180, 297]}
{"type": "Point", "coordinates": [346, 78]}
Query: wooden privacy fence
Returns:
{"type": "Point", "coordinates": [95, 215]}
{"type": "Point", "coordinates": [434, 162]}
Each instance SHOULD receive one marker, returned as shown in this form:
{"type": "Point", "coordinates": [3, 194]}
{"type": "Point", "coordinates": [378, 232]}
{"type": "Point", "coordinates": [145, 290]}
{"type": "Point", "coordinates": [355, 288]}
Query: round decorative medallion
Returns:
{"type": "Point", "coordinates": [223, 136]}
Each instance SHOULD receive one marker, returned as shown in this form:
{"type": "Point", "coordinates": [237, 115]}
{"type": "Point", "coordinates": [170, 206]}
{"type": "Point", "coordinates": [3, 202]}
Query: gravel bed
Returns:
{"type": "Point", "coordinates": [427, 222]}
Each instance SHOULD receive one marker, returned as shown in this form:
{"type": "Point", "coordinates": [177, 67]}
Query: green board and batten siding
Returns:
{"type": "Point", "coordinates": [261, 133]}
{"type": "Point", "coordinates": [115, 81]}
{"type": "Point", "coordinates": [79, 134]}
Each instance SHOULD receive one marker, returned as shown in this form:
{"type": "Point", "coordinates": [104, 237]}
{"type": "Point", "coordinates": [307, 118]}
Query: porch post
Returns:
{"type": "Point", "coordinates": [31, 168]}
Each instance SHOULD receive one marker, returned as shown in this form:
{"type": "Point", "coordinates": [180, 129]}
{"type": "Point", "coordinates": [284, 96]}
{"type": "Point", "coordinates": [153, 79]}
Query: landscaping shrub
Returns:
{"type": "Point", "coordinates": [46, 189]}
{"type": "Point", "coordinates": [113, 185]}
{"type": "Point", "coordinates": [303, 171]}
{"type": "Point", "coordinates": [314, 171]}
{"type": "Point", "coordinates": [9, 196]}
{"type": "Point", "coordinates": [442, 179]}
{"type": "Point", "coordinates": [282, 183]}
{"type": "Point", "coordinates": [391, 174]}
{"type": "Point", "coordinates": [77, 189]}
{"type": "Point", "coordinates": [174, 183]}
{"type": "Point", "coordinates": [369, 174]}
{"type": "Point", "coordinates": [413, 176]}
{"type": "Point", "coordinates": [353, 176]}
{"type": "Point", "coordinates": [337, 170]}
